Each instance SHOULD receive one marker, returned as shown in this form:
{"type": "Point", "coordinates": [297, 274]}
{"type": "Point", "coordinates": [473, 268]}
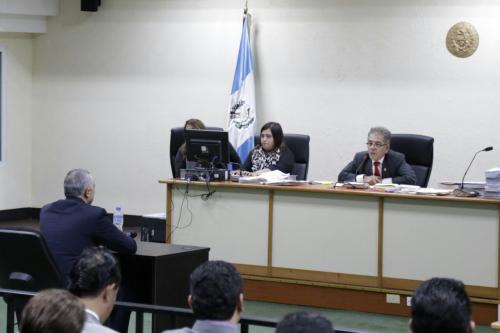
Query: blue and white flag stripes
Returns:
{"type": "Point", "coordinates": [242, 115]}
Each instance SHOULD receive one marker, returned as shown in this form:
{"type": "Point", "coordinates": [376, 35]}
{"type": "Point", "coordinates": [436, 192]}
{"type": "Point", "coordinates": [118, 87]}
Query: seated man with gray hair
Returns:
{"type": "Point", "coordinates": [378, 164]}
{"type": "Point", "coordinates": [72, 224]}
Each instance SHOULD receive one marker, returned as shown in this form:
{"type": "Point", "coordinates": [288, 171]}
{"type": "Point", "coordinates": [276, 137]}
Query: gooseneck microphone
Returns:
{"type": "Point", "coordinates": [360, 166]}
{"type": "Point", "coordinates": [469, 193]}
{"type": "Point", "coordinates": [463, 178]}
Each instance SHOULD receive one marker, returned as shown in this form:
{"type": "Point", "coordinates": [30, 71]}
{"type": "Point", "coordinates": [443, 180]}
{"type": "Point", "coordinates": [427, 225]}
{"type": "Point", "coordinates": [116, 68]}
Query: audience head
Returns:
{"type": "Point", "coordinates": [79, 183]}
{"type": "Point", "coordinates": [216, 292]}
{"type": "Point", "coordinates": [194, 123]}
{"type": "Point", "coordinates": [271, 136]}
{"type": "Point", "coordinates": [95, 278]}
{"type": "Point", "coordinates": [441, 305]}
{"type": "Point", "coordinates": [378, 142]}
{"type": "Point", "coordinates": [53, 311]}
{"type": "Point", "coordinates": [304, 322]}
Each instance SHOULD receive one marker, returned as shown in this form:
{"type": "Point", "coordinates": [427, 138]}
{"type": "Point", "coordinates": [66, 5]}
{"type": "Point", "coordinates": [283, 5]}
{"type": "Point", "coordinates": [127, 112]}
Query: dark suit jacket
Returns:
{"type": "Point", "coordinates": [394, 166]}
{"type": "Point", "coordinates": [71, 225]}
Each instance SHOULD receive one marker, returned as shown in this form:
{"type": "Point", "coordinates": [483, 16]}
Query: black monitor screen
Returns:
{"type": "Point", "coordinates": [206, 149]}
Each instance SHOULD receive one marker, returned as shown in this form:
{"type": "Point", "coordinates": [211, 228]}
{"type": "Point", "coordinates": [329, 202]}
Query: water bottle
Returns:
{"type": "Point", "coordinates": [118, 218]}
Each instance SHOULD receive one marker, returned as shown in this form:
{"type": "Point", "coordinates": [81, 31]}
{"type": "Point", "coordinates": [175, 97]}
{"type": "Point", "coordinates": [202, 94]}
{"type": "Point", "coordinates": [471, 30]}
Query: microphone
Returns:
{"type": "Point", "coordinates": [469, 193]}
{"type": "Point", "coordinates": [360, 166]}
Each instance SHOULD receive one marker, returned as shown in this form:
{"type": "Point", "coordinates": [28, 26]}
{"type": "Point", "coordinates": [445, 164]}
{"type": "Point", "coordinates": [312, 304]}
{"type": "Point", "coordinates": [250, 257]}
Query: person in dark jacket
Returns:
{"type": "Point", "coordinates": [72, 224]}
{"type": "Point", "coordinates": [378, 164]}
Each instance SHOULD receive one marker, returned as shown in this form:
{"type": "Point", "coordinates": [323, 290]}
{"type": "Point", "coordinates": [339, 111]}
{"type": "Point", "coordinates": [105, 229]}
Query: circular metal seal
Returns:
{"type": "Point", "coordinates": [462, 40]}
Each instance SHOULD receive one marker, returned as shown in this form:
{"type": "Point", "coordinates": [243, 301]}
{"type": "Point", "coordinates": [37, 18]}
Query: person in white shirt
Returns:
{"type": "Point", "coordinates": [95, 279]}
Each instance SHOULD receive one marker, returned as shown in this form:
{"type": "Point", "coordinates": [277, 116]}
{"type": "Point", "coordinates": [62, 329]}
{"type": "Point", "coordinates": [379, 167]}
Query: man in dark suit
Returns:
{"type": "Point", "coordinates": [379, 163]}
{"type": "Point", "coordinates": [70, 225]}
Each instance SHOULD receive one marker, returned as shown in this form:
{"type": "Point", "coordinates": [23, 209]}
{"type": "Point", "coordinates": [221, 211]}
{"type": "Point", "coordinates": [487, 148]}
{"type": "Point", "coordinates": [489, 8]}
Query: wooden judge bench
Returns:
{"type": "Point", "coordinates": [333, 247]}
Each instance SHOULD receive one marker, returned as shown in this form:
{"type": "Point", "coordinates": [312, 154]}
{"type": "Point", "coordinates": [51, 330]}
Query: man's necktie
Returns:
{"type": "Point", "coordinates": [377, 169]}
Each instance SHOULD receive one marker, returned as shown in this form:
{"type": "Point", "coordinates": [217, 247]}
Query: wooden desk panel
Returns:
{"type": "Point", "coordinates": [233, 223]}
{"type": "Point", "coordinates": [426, 239]}
{"type": "Point", "coordinates": [308, 218]}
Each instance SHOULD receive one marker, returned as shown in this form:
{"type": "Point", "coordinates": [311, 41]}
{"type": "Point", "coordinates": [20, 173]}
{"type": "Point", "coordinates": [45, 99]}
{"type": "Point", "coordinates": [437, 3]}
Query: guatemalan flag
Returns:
{"type": "Point", "coordinates": [242, 116]}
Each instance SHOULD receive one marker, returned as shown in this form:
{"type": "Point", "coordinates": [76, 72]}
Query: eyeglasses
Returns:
{"type": "Point", "coordinates": [375, 144]}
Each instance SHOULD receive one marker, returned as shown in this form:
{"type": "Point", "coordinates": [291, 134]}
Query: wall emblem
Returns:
{"type": "Point", "coordinates": [462, 40]}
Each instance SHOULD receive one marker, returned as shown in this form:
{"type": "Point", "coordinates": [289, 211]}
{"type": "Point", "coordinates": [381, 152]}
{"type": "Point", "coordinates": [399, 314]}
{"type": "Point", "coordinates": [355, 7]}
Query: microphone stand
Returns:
{"type": "Point", "coordinates": [361, 166]}
{"type": "Point", "coordinates": [461, 192]}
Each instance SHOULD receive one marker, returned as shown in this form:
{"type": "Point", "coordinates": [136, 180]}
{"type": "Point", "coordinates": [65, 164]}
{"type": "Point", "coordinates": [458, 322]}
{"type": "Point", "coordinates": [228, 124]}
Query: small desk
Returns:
{"type": "Point", "coordinates": [159, 274]}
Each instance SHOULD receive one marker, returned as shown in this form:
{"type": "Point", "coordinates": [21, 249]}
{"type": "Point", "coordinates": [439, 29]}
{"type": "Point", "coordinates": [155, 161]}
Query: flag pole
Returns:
{"type": "Point", "coordinates": [249, 17]}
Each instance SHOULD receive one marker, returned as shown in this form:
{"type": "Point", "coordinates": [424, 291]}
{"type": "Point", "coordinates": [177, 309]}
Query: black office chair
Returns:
{"type": "Point", "coordinates": [419, 153]}
{"type": "Point", "coordinates": [26, 264]}
{"type": "Point", "coordinates": [299, 145]}
{"type": "Point", "coordinates": [176, 140]}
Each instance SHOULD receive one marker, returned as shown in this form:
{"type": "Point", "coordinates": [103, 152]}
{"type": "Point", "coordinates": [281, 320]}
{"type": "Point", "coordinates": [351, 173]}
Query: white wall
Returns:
{"type": "Point", "coordinates": [15, 170]}
{"type": "Point", "coordinates": [109, 85]}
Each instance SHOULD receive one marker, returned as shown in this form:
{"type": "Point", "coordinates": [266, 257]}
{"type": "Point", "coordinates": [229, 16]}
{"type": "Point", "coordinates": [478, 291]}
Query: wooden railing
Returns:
{"type": "Point", "coordinates": [140, 309]}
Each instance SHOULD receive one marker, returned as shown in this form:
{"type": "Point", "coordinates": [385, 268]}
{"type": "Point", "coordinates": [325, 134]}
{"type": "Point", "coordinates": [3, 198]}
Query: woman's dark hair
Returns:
{"type": "Point", "coordinates": [194, 124]}
{"type": "Point", "coordinates": [53, 311]}
{"type": "Point", "coordinates": [277, 133]}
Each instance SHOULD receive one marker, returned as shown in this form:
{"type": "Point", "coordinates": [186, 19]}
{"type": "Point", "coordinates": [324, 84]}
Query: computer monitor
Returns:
{"type": "Point", "coordinates": [206, 149]}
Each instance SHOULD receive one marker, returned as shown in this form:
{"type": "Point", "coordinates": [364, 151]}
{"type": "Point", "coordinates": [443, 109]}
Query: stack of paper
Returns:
{"type": "Point", "coordinates": [433, 191]}
{"type": "Point", "coordinates": [266, 177]}
{"type": "Point", "coordinates": [492, 189]}
{"type": "Point", "coordinates": [385, 187]}
{"type": "Point", "coordinates": [399, 188]}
